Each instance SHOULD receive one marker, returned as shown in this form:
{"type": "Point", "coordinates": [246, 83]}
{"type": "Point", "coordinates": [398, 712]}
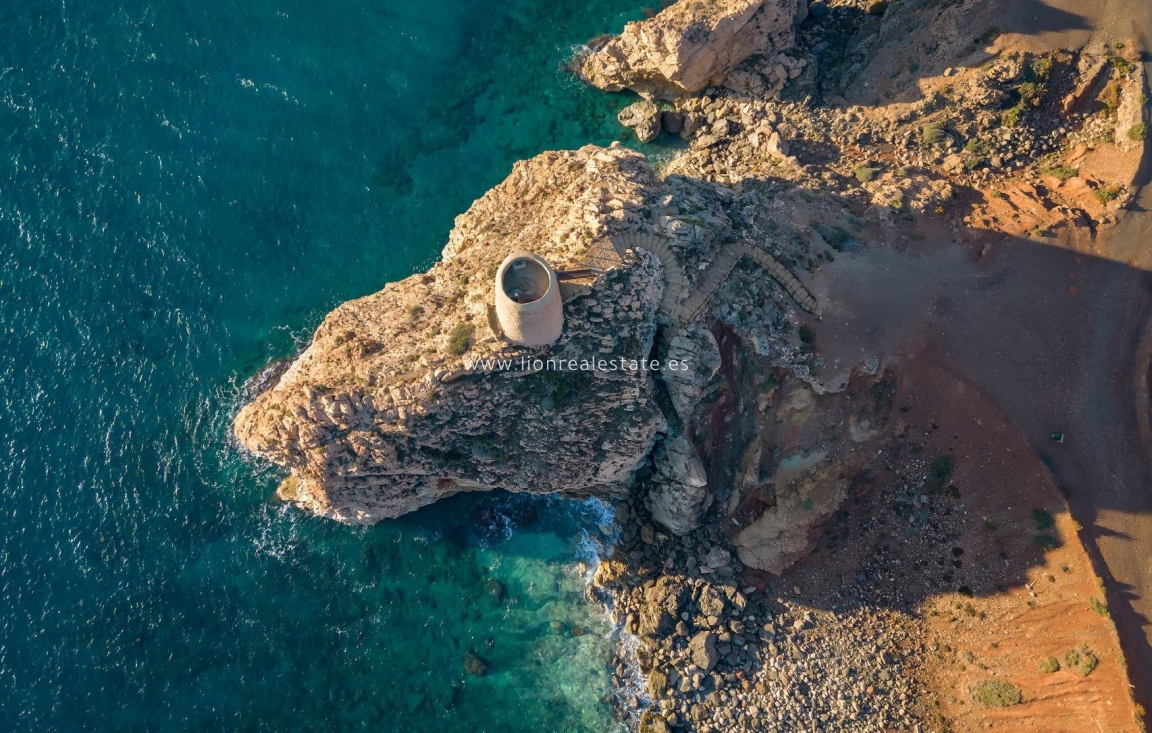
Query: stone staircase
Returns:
{"type": "Point", "coordinates": [685, 311]}
{"type": "Point", "coordinates": [673, 273]}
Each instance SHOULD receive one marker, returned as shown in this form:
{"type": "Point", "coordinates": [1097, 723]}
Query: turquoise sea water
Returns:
{"type": "Point", "coordinates": [185, 189]}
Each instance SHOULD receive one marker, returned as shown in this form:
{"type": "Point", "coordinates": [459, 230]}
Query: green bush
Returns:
{"type": "Point", "coordinates": [1111, 98]}
{"type": "Point", "coordinates": [1046, 542]}
{"type": "Point", "coordinates": [1121, 64]}
{"type": "Point", "coordinates": [1083, 660]}
{"type": "Point", "coordinates": [569, 387]}
{"type": "Point", "coordinates": [996, 694]}
{"type": "Point", "coordinates": [1099, 607]}
{"type": "Point", "coordinates": [1011, 118]}
{"type": "Point", "coordinates": [976, 147]}
{"type": "Point", "coordinates": [933, 133]}
{"type": "Point", "coordinates": [1106, 194]}
{"type": "Point", "coordinates": [1043, 519]}
{"type": "Point", "coordinates": [865, 172]}
{"type": "Point", "coordinates": [942, 469]}
{"type": "Point", "coordinates": [1138, 132]}
{"type": "Point", "coordinates": [1031, 93]}
{"type": "Point", "coordinates": [1061, 172]}
{"type": "Point", "coordinates": [459, 338]}
{"type": "Point", "coordinates": [1042, 69]}
{"type": "Point", "coordinates": [1048, 665]}
{"type": "Point", "coordinates": [835, 236]}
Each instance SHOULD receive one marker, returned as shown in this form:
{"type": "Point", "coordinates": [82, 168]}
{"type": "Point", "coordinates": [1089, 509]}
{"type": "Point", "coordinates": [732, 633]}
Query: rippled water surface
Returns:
{"type": "Point", "coordinates": [185, 189]}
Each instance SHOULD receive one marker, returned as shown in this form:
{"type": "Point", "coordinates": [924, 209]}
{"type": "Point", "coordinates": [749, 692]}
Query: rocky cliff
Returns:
{"type": "Point", "coordinates": [413, 394]}
{"type": "Point", "coordinates": [691, 46]}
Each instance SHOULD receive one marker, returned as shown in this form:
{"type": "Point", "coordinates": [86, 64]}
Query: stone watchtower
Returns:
{"type": "Point", "coordinates": [528, 302]}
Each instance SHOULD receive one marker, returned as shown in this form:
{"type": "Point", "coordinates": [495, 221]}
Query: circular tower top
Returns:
{"type": "Point", "coordinates": [528, 302]}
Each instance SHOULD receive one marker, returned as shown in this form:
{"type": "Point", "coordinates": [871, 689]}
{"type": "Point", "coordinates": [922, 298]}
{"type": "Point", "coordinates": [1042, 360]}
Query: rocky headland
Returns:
{"type": "Point", "coordinates": [803, 548]}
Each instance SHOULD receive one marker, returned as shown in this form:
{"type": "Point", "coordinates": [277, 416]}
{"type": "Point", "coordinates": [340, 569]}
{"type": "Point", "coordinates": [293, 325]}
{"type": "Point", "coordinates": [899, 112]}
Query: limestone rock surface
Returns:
{"type": "Point", "coordinates": [386, 410]}
{"type": "Point", "coordinates": [690, 46]}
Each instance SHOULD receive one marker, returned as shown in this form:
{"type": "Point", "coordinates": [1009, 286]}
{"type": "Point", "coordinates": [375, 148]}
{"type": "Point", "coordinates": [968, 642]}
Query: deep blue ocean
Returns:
{"type": "Point", "coordinates": [186, 188]}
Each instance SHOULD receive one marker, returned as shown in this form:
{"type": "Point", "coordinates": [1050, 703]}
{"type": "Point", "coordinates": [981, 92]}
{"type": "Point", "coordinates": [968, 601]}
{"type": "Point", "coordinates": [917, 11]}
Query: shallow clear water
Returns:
{"type": "Point", "coordinates": [185, 189]}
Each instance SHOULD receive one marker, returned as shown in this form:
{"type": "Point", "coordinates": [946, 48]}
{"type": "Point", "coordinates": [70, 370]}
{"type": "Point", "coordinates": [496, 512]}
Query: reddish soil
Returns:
{"type": "Point", "coordinates": [1041, 602]}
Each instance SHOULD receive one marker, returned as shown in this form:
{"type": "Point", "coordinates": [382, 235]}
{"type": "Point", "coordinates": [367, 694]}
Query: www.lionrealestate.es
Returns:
{"type": "Point", "coordinates": [599, 364]}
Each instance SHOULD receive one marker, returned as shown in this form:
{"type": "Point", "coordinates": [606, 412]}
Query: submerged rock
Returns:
{"type": "Point", "coordinates": [474, 665]}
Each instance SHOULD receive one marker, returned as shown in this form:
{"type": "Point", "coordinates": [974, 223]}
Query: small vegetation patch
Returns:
{"type": "Point", "coordinates": [1099, 607]}
{"type": "Point", "coordinates": [1138, 132]}
{"type": "Point", "coordinates": [1042, 69]}
{"type": "Point", "coordinates": [460, 338]}
{"type": "Point", "coordinates": [941, 470]}
{"type": "Point", "coordinates": [1044, 520]}
{"type": "Point", "coordinates": [933, 133]}
{"type": "Point", "coordinates": [1082, 660]}
{"type": "Point", "coordinates": [996, 694]}
{"type": "Point", "coordinates": [865, 172]}
{"type": "Point", "coordinates": [1046, 542]}
{"type": "Point", "coordinates": [836, 237]}
{"type": "Point", "coordinates": [1106, 194]}
{"type": "Point", "coordinates": [1031, 93]}
{"type": "Point", "coordinates": [1121, 64]}
{"type": "Point", "coordinates": [1061, 172]}
{"type": "Point", "coordinates": [1011, 118]}
{"type": "Point", "coordinates": [1048, 665]}
{"type": "Point", "coordinates": [568, 387]}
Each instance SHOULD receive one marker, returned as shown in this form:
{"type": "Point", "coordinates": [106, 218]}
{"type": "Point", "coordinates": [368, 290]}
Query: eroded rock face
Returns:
{"type": "Point", "coordinates": [690, 46]}
{"type": "Point", "coordinates": [781, 535]}
{"type": "Point", "coordinates": [679, 495]}
{"type": "Point", "coordinates": [381, 414]}
{"type": "Point", "coordinates": [413, 394]}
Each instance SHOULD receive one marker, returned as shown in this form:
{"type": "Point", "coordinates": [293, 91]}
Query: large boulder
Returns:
{"type": "Point", "coordinates": [642, 118]}
{"type": "Point", "coordinates": [783, 533]}
{"type": "Point", "coordinates": [690, 46]}
{"type": "Point", "coordinates": [678, 496]}
{"type": "Point", "coordinates": [702, 650]}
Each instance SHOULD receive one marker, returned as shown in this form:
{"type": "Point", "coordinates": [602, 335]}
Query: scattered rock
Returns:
{"type": "Point", "coordinates": [703, 650]}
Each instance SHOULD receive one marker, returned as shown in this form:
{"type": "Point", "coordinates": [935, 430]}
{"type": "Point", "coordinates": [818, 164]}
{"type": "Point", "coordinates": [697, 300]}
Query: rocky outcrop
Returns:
{"type": "Point", "coordinates": [781, 535]}
{"type": "Point", "coordinates": [413, 394]}
{"type": "Point", "coordinates": [691, 46]}
{"type": "Point", "coordinates": [679, 495]}
{"type": "Point", "coordinates": [386, 411]}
